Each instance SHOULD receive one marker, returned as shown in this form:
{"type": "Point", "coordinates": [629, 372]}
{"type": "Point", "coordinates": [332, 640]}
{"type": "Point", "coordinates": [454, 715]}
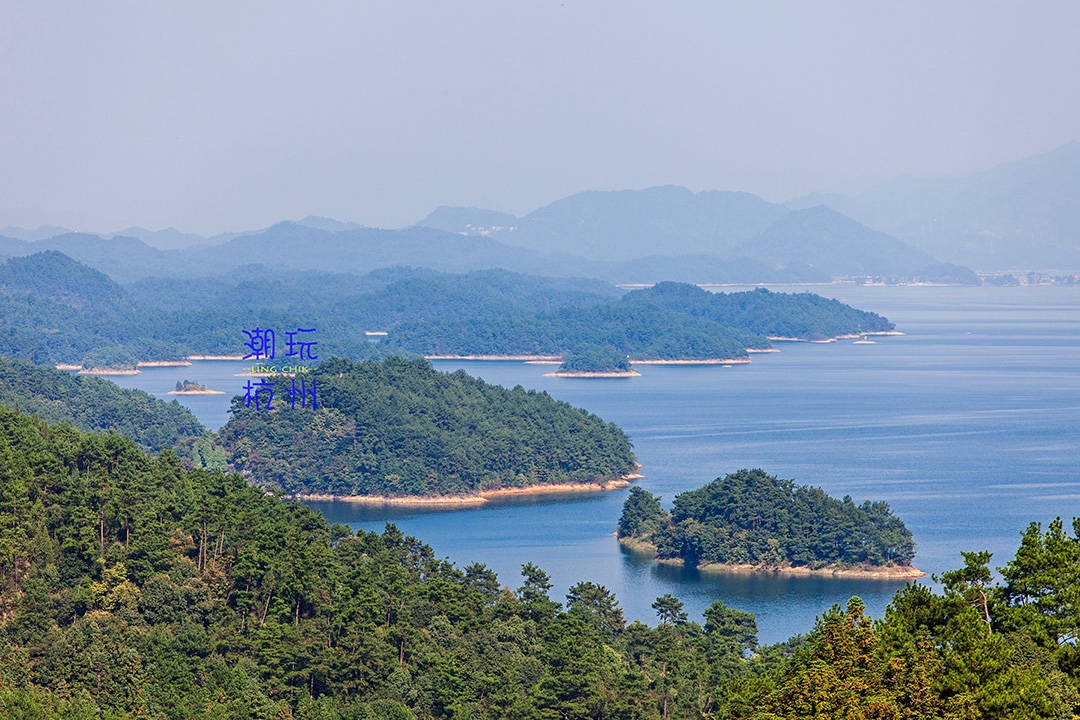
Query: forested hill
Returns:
{"type": "Point", "coordinates": [669, 321]}
{"type": "Point", "coordinates": [53, 310]}
{"type": "Point", "coordinates": [130, 588]}
{"type": "Point", "coordinates": [750, 518]}
{"type": "Point", "coordinates": [93, 404]}
{"type": "Point", "coordinates": [400, 428]}
{"type": "Point", "coordinates": [805, 316]}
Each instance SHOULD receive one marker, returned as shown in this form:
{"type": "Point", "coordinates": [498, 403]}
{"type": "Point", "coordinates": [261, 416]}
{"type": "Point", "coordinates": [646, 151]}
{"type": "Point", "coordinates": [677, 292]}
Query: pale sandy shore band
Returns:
{"type": "Point", "coordinates": [702, 361]}
{"type": "Point", "coordinates": [849, 336]}
{"type": "Point", "coordinates": [107, 371]}
{"type": "Point", "coordinates": [196, 392]}
{"type": "Point", "coordinates": [868, 572]}
{"type": "Point", "coordinates": [526, 358]}
{"type": "Point", "coordinates": [534, 359]}
{"type": "Point", "coordinates": [580, 374]}
{"type": "Point", "coordinates": [471, 500]}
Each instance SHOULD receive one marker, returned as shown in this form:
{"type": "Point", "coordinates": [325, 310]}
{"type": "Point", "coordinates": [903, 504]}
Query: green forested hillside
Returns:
{"type": "Point", "coordinates": [53, 309]}
{"type": "Point", "coordinates": [668, 321]}
{"type": "Point", "coordinates": [94, 404]}
{"type": "Point", "coordinates": [751, 518]}
{"type": "Point", "coordinates": [401, 428]}
{"type": "Point", "coordinates": [800, 315]}
{"type": "Point", "coordinates": [130, 588]}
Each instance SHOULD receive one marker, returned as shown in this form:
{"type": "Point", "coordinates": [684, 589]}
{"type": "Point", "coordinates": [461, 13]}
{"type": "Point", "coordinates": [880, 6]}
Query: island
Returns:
{"type": "Point", "coordinates": [749, 521]}
{"type": "Point", "coordinates": [668, 323]}
{"type": "Point", "coordinates": [399, 431]}
{"type": "Point", "coordinates": [592, 362]}
{"type": "Point", "coordinates": [189, 387]}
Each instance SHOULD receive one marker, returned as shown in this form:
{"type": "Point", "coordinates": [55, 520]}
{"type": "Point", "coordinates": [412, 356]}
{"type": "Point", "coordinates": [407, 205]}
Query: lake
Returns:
{"type": "Point", "coordinates": [967, 426]}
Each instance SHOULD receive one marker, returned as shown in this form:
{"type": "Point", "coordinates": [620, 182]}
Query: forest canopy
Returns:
{"type": "Point", "coordinates": [131, 588]}
{"type": "Point", "coordinates": [752, 518]}
{"type": "Point", "coordinates": [54, 309]}
{"type": "Point", "coordinates": [95, 404]}
{"type": "Point", "coordinates": [400, 428]}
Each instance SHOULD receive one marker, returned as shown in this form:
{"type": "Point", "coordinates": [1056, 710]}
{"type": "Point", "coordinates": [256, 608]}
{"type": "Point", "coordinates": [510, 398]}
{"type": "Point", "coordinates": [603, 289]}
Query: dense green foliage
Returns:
{"type": "Point", "coordinates": [190, 386]}
{"type": "Point", "coordinates": [595, 359]}
{"type": "Point", "coordinates": [666, 322]}
{"type": "Point", "coordinates": [803, 315]}
{"type": "Point", "coordinates": [53, 309]}
{"type": "Point", "coordinates": [401, 428]}
{"type": "Point", "coordinates": [95, 404]}
{"type": "Point", "coordinates": [130, 588]}
{"type": "Point", "coordinates": [751, 518]}
{"type": "Point", "coordinates": [84, 317]}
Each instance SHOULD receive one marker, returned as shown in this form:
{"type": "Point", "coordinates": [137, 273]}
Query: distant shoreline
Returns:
{"type": "Point", "coordinates": [597, 374]}
{"type": "Point", "coordinates": [207, 391]}
{"type": "Point", "coordinates": [695, 361]}
{"type": "Point", "coordinates": [849, 336]}
{"type": "Point", "coordinates": [109, 371]}
{"type": "Point", "coordinates": [526, 358]}
{"type": "Point", "coordinates": [480, 498]}
{"type": "Point", "coordinates": [162, 363]}
{"type": "Point", "coordinates": [866, 572]}
{"type": "Point", "coordinates": [530, 359]}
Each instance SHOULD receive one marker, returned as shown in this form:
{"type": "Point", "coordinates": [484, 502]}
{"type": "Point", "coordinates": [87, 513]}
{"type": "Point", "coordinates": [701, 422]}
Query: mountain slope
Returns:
{"type": "Point", "coordinates": [1018, 215]}
{"type": "Point", "coordinates": [627, 224]}
{"type": "Point", "coordinates": [825, 239]}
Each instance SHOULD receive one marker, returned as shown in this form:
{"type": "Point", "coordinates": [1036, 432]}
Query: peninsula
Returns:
{"type": "Point", "coordinates": [750, 521]}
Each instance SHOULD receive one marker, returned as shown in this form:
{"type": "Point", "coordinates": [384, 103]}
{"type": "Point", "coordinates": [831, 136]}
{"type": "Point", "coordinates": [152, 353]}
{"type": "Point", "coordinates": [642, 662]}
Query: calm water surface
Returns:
{"type": "Point", "coordinates": [966, 426]}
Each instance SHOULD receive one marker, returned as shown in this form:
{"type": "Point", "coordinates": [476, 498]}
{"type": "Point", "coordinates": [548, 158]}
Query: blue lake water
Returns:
{"type": "Point", "coordinates": [967, 426]}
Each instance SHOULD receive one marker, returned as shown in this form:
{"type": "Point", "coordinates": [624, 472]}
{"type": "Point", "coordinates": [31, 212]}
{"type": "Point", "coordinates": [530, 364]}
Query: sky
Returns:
{"type": "Point", "coordinates": [218, 116]}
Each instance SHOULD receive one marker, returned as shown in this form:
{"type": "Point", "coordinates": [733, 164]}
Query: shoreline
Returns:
{"type": "Point", "coordinates": [864, 572]}
{"type": "Point", "coordinates": [162, 363]}
{"type": "Point", "coordinates": [468, 500]}
{"type": "Point", "coordinates": [848, 336]}
{"type": "Point", "coordinates": [525, 358]}
{"type": "Point", "coordinates": [699, 361]}
{"type": "Point", "coordinates": [207, 391]}
{"type": "Point", "coordinates": [108, 371]}
{"type": "Point", "coordinates": [214, 357]}
{"type": "Point", "coordinates": [598, 374]}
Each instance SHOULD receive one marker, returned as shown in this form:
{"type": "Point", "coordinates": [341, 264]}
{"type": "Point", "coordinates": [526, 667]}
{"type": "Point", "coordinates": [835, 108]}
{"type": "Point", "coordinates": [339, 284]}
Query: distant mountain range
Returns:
{"type": "Point", "coordinates": [1017, 216]}
{"type": "Point", "coordinates": [1022, 215]}
{"type": "Point", "coordinates": [803, 246]}
{"type": "Point", "coordinates": [700, 237]}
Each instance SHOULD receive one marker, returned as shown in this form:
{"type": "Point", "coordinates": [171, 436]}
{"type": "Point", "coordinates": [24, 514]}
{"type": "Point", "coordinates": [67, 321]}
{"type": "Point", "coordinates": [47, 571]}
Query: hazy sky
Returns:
{"type": "Point", "coordinates": [213, 116]}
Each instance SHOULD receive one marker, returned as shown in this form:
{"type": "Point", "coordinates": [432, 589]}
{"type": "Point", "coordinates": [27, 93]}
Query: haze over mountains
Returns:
{"type": "Point", "coordinates": [1017, 216]}
{"type": "Point", "coordinates": [1022, 215]}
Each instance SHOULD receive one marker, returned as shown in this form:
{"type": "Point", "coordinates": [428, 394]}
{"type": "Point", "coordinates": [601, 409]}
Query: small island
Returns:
{"type": "Point", "coordinates": [189, 387]}
{"type": "Point", "coordinates": [593, 362]}
{"type": "Point", "coordinates": [750, 521]}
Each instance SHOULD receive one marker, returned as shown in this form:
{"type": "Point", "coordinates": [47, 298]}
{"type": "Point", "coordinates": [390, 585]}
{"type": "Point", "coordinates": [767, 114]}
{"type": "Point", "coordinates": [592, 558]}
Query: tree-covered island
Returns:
{"type": "Point", "coordinates": [750, 520]}
{"type": "Point", "coordinates": [400, 429]}
{"type": "Point", "coordinates": [190, 387]}
{"type": "Point", "coordinates": [595, 362]}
